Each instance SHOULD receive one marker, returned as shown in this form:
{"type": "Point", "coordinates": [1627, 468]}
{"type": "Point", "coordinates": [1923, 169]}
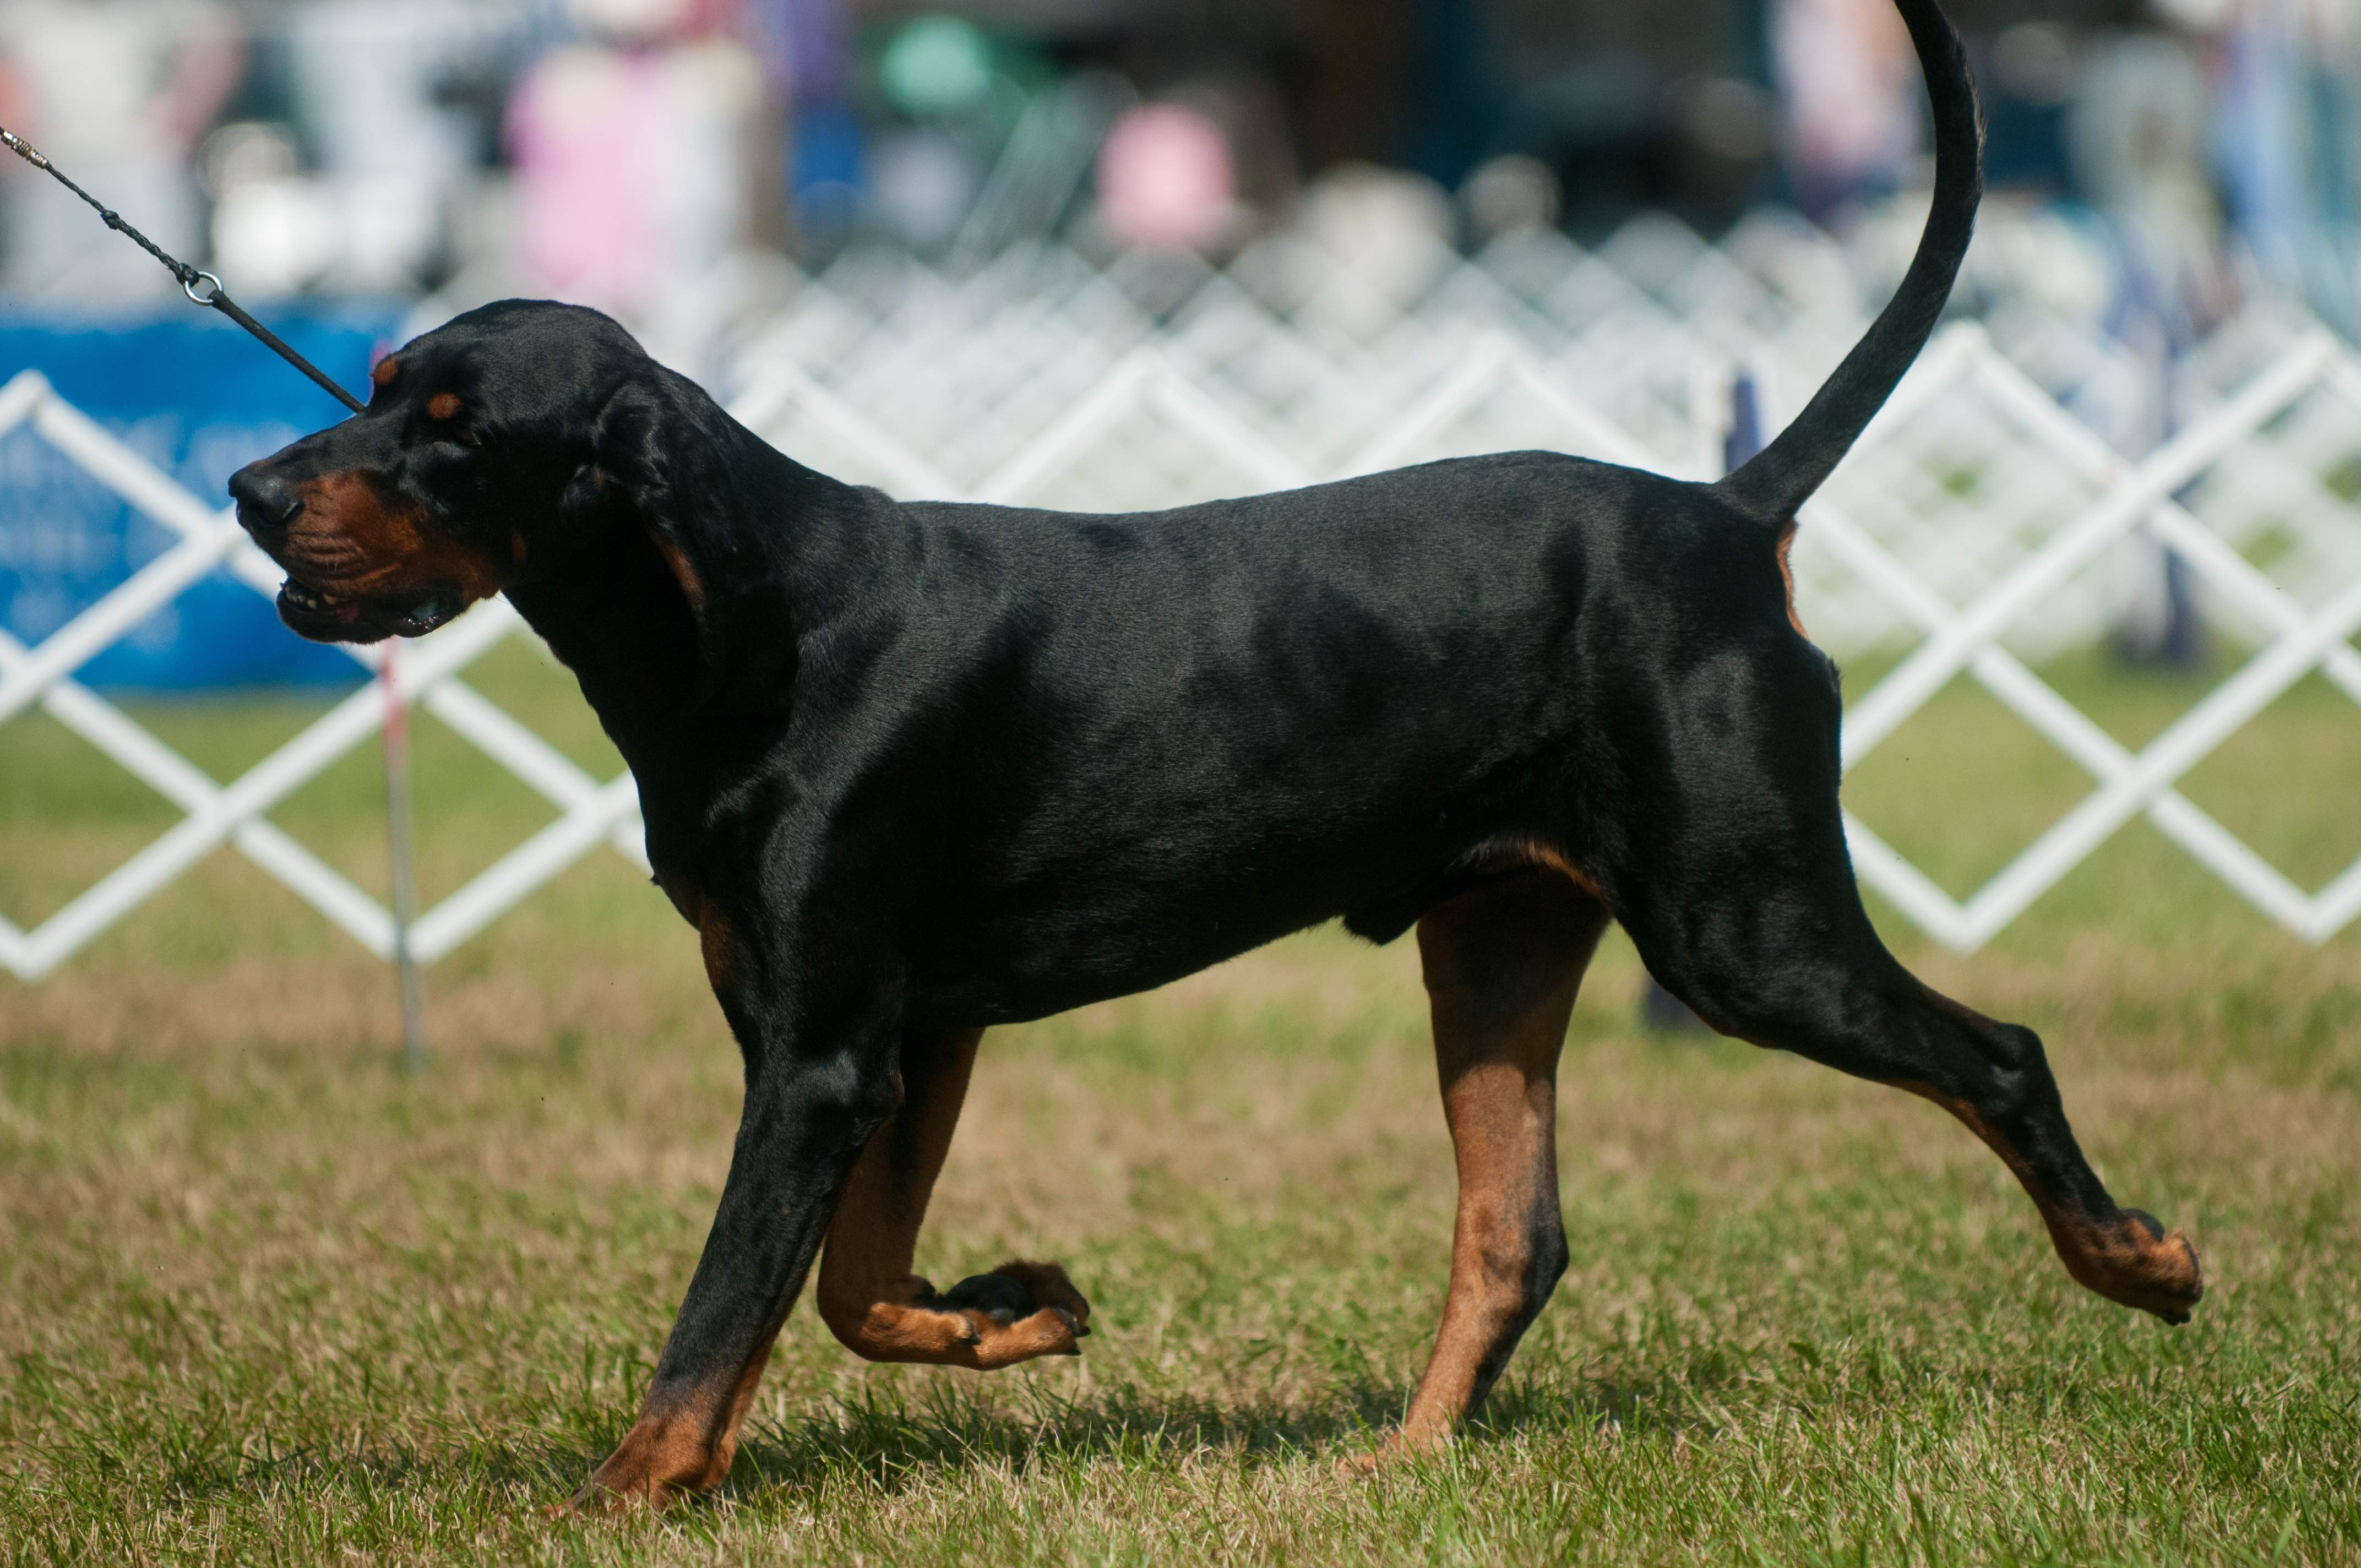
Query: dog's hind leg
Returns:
{"type": "Point", "coordinates": [1502, 966]}
{"type": "Point", "coordinates": [1877, 1021]}
{"type": "Point", "coordinates": [1746, 909]}
{"type": "Point", "coordinates": [869, 1297]}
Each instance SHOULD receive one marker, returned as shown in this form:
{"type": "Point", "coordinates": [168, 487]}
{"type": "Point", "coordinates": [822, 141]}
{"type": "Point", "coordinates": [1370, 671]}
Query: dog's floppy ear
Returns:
{"type": "Point", "coordinates": [666, 451]}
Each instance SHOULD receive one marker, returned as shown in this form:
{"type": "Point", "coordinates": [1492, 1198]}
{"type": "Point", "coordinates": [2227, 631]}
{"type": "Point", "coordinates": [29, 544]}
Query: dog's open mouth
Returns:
{"type": "Point", "coordinates": [322, 616]}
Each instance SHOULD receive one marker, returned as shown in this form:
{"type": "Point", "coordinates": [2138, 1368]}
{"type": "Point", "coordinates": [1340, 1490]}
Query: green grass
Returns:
{"type": "Point", "coordinates": [262, 1299]}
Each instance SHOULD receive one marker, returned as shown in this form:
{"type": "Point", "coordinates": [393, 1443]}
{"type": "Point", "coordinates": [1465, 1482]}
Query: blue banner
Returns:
{"type": "Point", "coordinates": [199, 399]}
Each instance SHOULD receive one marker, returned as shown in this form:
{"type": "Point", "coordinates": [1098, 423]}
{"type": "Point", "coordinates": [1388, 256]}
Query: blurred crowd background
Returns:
{"type": "Point", "coordinates": [675, 161]}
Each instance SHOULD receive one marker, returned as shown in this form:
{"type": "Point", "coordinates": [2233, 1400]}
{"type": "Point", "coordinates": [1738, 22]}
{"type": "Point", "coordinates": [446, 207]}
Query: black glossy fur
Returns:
{"type": "Point", "coordinates": [920, 767]}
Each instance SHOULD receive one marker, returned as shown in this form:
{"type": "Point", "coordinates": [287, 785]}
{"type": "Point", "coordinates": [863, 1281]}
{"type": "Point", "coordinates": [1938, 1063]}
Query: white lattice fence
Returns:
{"type": "Point", "coordinates": [427, 673]}
{"type": "Point", "coordinates": [1975, 527]}
{"type": "Point", "coordinates": [2294, 625]}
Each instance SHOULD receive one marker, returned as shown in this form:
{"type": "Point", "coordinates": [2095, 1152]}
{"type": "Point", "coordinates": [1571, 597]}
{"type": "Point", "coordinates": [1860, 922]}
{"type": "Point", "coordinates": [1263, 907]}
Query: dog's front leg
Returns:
{"type": "Point", "coordinates": [869, 1297]}
{"type": "Point", "coordinates": [817, 1086]}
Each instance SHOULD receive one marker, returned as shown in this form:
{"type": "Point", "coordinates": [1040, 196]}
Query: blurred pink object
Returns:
{"type": "Point", "coordinates": [629, 169]}
{"type": "Point", "coordinates": [580, 131]}
{"type": "Point", "coordinates": [1848, 80]}
{"type": "Point", "coordinates": [1164, 180]}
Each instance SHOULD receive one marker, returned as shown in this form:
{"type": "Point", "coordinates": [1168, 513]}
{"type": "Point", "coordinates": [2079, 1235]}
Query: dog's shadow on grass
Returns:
{"type": "Point", "coordinates": [895, 1445]}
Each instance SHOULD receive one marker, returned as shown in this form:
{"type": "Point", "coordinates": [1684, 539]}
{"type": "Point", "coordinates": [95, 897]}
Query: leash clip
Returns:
{"type": "Point", "coordinates": [23, 148]}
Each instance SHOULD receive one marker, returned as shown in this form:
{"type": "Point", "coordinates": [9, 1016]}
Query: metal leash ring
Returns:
{"type": "Point", "coordinates": [189, 286]}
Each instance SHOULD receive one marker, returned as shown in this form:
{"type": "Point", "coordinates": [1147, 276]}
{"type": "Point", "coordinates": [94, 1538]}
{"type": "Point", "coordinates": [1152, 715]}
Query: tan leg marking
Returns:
{"type": "Point", "coordinates": [683, 1448]}
{"type": "Point", "coordinates": [868, 1296]}
{"type": "Point", "coordinates": [1502, 964]}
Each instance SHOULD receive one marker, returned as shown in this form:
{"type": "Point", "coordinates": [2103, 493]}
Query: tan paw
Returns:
{"type": "Point", "coordinates": [2143, 1267]}
{"type": "Point", "coordinates": [655, 1465]}
{"type": "Point", "coordinates": [1395, 1447]}
{"type": "Point", "coordinates": [1018, 1311]}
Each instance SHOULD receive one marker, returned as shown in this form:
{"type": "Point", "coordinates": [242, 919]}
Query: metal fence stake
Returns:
{"type": "Point", "coordinates": [405, 885]}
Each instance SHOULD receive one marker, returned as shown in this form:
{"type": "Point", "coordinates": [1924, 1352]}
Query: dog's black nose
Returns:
{"type": "Point", "coordinates": [265, 505]}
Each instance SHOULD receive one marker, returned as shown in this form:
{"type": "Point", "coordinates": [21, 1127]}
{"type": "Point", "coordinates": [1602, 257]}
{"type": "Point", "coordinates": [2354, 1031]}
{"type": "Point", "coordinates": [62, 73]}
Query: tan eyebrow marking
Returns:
{"type": "Point", "coordinates": [443, 405]}
{"type": "Point", "coordinates": [385, 370]}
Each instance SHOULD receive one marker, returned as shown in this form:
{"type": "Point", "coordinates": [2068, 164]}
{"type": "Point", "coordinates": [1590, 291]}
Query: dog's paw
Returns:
{"type": "Point", "coordinates": [659, 1462]}
{"type": "Point", "coordinates": [2142, 1266]}
{"type": "Point", "coordinates": [1018, 1311]}
{"type": "Point", "coordinates": [2170, 1278]}
{"type": "Point", "coordinates": [595, 1502]}
{"type": "Point", "coordinates": [616, 1497]}
{"type": "Point", "coordinates": [1397, 1448]}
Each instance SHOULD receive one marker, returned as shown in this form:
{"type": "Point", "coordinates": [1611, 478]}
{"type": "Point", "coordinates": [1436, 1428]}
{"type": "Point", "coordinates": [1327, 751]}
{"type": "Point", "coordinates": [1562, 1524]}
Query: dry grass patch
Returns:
{"type": "Point", "coordinates": [266, 1301]}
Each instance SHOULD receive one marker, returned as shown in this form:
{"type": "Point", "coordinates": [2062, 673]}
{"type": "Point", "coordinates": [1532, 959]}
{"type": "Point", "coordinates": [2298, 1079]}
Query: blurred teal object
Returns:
{"type": "Point", "coordinates": [936, 65]}
{"type": "Point", "coordinates": [200, 400]}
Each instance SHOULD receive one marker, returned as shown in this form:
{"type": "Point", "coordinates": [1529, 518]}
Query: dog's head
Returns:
{"type": "Point", "coordinates": [495, 451]}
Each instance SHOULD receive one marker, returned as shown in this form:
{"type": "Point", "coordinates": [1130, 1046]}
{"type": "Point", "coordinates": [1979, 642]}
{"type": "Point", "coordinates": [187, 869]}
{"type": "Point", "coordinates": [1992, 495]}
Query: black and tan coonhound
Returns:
{"type": "Point", "coordinates": [914, 769]}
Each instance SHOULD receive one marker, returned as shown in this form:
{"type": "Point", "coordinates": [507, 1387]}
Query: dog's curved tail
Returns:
{"type": "Point", "coordinates": [1784, 475]}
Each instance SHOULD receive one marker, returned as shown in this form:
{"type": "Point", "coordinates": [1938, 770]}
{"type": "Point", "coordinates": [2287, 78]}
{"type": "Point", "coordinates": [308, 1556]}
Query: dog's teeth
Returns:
{"type": "Point", "coordinates": [328, 598]}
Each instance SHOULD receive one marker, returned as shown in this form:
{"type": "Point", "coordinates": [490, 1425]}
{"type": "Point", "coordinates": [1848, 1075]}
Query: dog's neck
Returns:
{"type": "Point", "coordinates": [617, 621]}
{"type": "Point", "coordinates": [618, 613]}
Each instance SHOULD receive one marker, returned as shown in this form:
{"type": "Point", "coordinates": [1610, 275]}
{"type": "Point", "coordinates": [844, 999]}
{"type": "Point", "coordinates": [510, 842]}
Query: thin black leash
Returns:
{"type": "Point", "coordinates": [214, 294]}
